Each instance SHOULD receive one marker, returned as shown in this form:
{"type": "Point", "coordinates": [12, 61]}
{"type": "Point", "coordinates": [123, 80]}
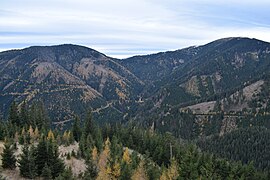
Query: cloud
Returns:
{"type": "Point", "coordinates": [122, 28]}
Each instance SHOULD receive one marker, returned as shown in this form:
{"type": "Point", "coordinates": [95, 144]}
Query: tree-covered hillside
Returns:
{"type": "Point", "coordinates": [108, 152]}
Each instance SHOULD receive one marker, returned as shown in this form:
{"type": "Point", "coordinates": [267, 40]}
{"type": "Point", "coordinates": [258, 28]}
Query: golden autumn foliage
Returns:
{"type": "Point", "coordinates": [31, 132]}
{"type": "Point", "coordinates": [115, 171]}
{"type": "Point", "coordinates": [139, 173]}
{"type": "Point", "coordinates": [173, 170]}
{"type": "Point", "coordinates": [66, 136]}
{"type": "Point", "coordinates": [36, 133]}
{"type": "Point", "coordinates": [50, 135]}
{"type": "Point", "coordinates": [102, 163]}
{"type": "Point", "coordinates": [163, 175]}
{"type": "Point", "coordinates": [171, 173]}
{"type": "Point", "coordinates": [126, 156]}
{"type": "Point", "coordinates": [95, 154]}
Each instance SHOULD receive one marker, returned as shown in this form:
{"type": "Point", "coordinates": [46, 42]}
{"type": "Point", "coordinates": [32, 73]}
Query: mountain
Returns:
{"type": "Point", "coordinates": [72, 78]}
{"type": "Point", "coordinates": [216, 95]}
{"type": "Point", "coordinates": [67, 79]}
{"type": "Point", "coordinates": [215, 70]}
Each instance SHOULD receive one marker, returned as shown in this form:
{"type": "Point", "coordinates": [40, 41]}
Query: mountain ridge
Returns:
{"type": "Point", "coordinates": [171, 77]}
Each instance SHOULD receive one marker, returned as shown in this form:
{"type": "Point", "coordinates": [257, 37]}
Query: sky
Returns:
{"type": "Point", "coordinates": [123, 28]}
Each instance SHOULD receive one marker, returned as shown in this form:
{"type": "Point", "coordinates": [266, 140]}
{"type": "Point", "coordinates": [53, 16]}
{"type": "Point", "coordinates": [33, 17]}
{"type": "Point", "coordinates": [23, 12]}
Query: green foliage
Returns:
{"type": "Point", "coordinates": [27, 164]}
{"type": "Point", "coordinates": [47, 153]}
{"type": "Point", "coordinates": [76, 129]}
{"type": "Point", "coordinates": [92, 170]}
{"type": "Point", "coordinates": [38, 116]}
{"type": "Point", "coordinates": [66, 175]}
{"type": "Point", "coordinates": [13, 117]}
{"type": "Point", "coordinates": [245, 145]}
{"type": "Point", "coordinates": [193, 164]}
{"type": "Point", "coordinates": [88, 123]}
{"type": "Point", "coordinates": [8, 158]}
{"type": "Point", "coordinates": [46, 172]}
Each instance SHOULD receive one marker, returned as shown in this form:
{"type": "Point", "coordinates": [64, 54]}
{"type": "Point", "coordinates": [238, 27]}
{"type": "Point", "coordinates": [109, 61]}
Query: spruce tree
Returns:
{"type": "Point", "coordinates": [57, 164]}
{"type": "Point", "coordinates": [38, 116]}
{"type": "Point", "coordinates": [13, 114]}
{"type": "Point", "coordinates": [8, 158]}
{"type": "Point", "coordinates": [24, 114]}
{"type": "Point", "coordinates": [76, 129]}
{"type": "Point", "coordinates": [41, 155]}
{"type": "Point", "coordinates": [46, 172]}
{"type": "Point", "coordinates": [47, 153]}
{"type": "Point", "coordinates": [88, 124]}
{"type": "Point", "coordinates": [91, 171]}
{"type": "Point", "coordinates": [66, 175]}
{"type": "Point", "coordinates": [27, 163]}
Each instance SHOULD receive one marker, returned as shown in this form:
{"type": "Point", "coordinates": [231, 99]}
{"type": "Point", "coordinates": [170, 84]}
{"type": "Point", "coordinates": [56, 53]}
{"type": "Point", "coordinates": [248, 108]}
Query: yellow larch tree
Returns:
{"type": "Point", "coordinates": [31, 132]}
{"type": "Point", "coordinates": [126, 156]}
{"type": "Point", "coordinates": [95, 154]}
{"type": "Point", "coordinates": [36, 133]}
{"type": "Point", "coordinates": [102, 163]}
{"type": "Point", "coordinates": [173, 170]}
{"type": "Point", "coordinates": [171, 173]}
{"type": "Point", "coordinates": [50, 135]}
{"type": "Point", "coordinates": [116, 171]}
{"type": "Point", "coordinates": [139, 173]}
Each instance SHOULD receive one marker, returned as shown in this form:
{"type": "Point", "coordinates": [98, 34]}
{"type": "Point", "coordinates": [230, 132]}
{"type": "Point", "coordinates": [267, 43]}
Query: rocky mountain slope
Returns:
{"type": "Point", "coordinates": [71, 78]}
{"type": "Point", "coordinates": [67, 78]}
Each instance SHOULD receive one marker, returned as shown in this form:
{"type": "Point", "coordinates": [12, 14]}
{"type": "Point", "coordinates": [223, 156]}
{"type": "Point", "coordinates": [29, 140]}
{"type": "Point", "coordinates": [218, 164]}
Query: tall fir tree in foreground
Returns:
{"type": "Point", "coordinates": [27, 163]}
{"type": "Point", "coordinates": [8, 158]}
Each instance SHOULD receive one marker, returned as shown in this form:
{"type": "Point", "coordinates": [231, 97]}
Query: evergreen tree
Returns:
{"type": "Point", "coordinates": [88, 124]}
{"type": "Point", "coordinates": [46, 172]}
{"type": "Point", "coordinates": [57, 164]}
{"type": "Point", "coordinates": [41, 155]}
{"type": "Point", "coordinates": [76, 129]}
{"type": "Point", "coordinates": [38, 116]}
{"type": "Point", "coordinates": [8, 158]}
{"type": "Point", "coordinates": [91, 171]}
{"type": "Point", "coordinates": [97, 136]}
{"type": "Point", "coordinates": [66, 175]}
{"type": "Point", "coordinates": [27, 163]}
{"type": "Point", "coordinates": [13, 114]}
{"type": "Point", "coordinates": [47, 153]}
{"type": "Point", "coordinates": [24, 114]}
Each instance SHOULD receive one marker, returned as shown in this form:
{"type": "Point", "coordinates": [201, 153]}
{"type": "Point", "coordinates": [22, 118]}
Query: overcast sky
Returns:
{"type": "Point", "coordinates": [122, 28]}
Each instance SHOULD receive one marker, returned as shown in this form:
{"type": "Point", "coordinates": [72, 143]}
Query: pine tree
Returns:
{"type": "Point", "coordinates": [38, 116]}
{"type": "Point", "coordinates": [89, 124]}
{"type": "Point", "coordinates": [24, 114]}
{"type": "Point", "coordinates": [97, 136]}
{"type": "Point", "coordinates": [13, 114]}
{"type": "Point", "coordinates": [91, 171]}
{"type": "Point", "coordinates": [46, 172]}
{"type": "Point", "coordinates": [76, 129]}
{"type": "Point", "coordinates": [47, 153]}
{"type": "Point", "coordinates": [57, 165]}
{"type": "Point", "coordinates": [66, 175]}
{"type": "Point", "coordinates": [8, 158]}
{"type": "Point", "coordinates": [41, 155]}
{"type": "Point", "coordinates": [27, 163]}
